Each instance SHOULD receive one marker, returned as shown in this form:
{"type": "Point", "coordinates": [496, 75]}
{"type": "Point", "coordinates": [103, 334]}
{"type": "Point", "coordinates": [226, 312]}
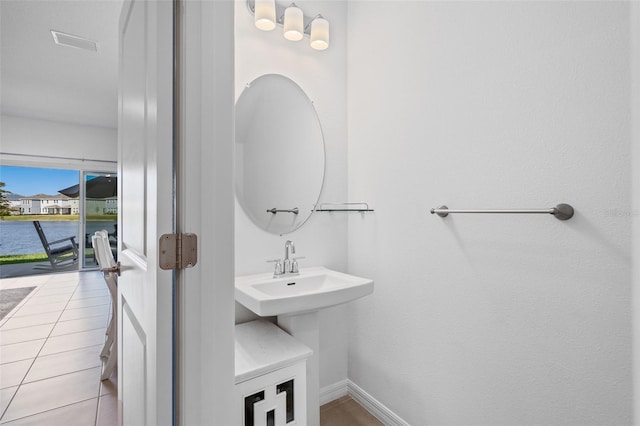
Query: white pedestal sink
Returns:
{"type": "Point", "coordinates": [295, 300]}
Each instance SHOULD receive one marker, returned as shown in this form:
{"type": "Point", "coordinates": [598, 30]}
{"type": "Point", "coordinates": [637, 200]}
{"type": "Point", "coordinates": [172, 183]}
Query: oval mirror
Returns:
{"type": "Point", "coordinates": [279, 154]}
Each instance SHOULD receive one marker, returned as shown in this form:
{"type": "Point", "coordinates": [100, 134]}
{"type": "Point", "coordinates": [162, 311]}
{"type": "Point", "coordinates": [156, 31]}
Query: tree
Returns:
{"type": "Point", "coordinates": [5, 207]}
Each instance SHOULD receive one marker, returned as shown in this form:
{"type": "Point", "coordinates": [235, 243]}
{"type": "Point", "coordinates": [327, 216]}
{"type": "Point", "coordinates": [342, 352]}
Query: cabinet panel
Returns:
{"type": "Point", "coordinates": [274, 399]}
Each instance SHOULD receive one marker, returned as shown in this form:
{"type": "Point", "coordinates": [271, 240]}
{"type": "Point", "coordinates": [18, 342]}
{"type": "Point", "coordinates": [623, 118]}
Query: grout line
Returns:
{"type": "Point", "coordinates": [46, 411]}
{"type": "Point", "coordinates": [10, 401]}
{"type": "Point", "coordinates": [22, 359]}
{"type": "Point", "coordinates": [84, 307]}
{"type": "Point", "coordinates": [26, 326]}
{"type": "Point", "coordinates": [32, 362]}
{"type": "Point", "coordinates": [78, 284]}
{"type": "Point", "coordinates": [81, 331]}
{"type": "Point", "coordinates": [38, 354]}
{"type": "Point", "coordinates": [55, 353]}
{"type": "Point", "coordinates": [25, 341]}
{"type": "Point", "coordinates": [60, 375]}
{"type": "Point", "coordinates": [69, 350]}
{"type": "Point", "coordinates": [19, 305]}
{"type": "Point", "coordinates": [38, 313]}
{"type": "Point", "coordinates": [102, 366]}
{"type": "Point", "coordinates": [95, 418]}
{"type": "Point", "coordinates": [51, 312]}
{"type": "Point", "coordinates": [52, 322]}
{"type": "Point", "coordinates": [75, 319]}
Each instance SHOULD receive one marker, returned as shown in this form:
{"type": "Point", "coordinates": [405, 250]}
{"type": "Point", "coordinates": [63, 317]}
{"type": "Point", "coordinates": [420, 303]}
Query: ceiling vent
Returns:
{"type": "Point", "coordinates": [70, 40]}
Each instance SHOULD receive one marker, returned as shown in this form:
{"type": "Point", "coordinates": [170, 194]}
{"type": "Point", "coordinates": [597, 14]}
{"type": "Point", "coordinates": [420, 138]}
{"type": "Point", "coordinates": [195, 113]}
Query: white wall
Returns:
{"type": "Point", "coordinates": [323, 239]}
{"type": "Point", "coordinates": [491, 319]}
{"type": "Point", "coordinates": [635, 149]}
{"type": "Point", "coordinates": [23, 140]}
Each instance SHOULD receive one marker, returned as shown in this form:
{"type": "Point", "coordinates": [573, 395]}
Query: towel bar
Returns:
{"type": "Point", "coordinates": [560, 212]}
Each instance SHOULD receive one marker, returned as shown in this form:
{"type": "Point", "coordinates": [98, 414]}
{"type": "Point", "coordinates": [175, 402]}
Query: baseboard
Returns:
{"type": "Point", "coordinates": [375, 407]}
{"type": "Point", "coordinates": [333, 391]}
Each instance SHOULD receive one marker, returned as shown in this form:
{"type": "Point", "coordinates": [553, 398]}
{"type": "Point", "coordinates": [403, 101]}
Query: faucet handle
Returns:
{"type": "Point", "coordinates": [294, 264]}
{"type": "Point", "coordinates": [278, 268]}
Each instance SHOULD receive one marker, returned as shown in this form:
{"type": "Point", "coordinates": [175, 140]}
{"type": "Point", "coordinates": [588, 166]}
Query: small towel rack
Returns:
{"type": "Point", "coordinates": [560, 212]}
{"type": "Point", "coordinates": [344, 207]}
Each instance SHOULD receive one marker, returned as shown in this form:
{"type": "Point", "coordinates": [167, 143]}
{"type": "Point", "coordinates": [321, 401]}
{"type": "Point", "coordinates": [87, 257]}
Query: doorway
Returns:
{"type": "Point", "coordinates": [67, 213]}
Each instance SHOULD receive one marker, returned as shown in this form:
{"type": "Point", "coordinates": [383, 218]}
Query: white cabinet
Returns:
{"type": "Point", "coordinates": [271, 378]}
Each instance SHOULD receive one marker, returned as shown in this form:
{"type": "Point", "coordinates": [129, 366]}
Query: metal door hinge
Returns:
{"type": "Point", "coordinates": [178, 251]}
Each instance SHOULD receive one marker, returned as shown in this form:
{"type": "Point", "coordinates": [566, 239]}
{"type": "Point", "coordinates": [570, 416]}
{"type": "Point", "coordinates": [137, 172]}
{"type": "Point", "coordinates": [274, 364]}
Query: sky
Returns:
{"type": "Point", "coordinates": [31, 181]}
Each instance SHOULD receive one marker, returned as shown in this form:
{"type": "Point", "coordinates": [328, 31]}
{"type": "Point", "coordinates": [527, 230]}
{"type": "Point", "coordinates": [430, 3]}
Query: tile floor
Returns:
{"type": "Point", "coordinates": [346, 412]}
{"type": "Point", "coordinates": [49, 353]}
{"type": "Point", "coordinates": [50, 365]}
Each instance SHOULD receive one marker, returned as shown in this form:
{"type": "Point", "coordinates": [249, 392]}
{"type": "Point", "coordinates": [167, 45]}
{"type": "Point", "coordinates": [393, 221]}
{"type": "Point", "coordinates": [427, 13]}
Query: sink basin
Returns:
{"type": "Point", "coordinates": [315, 288]}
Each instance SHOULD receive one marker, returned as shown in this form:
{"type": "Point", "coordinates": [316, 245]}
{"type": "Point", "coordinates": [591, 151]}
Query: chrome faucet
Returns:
{"type": "Point", "coordinates": [289, 265]}
{"type": "Point", "coordinates": [289, 248]}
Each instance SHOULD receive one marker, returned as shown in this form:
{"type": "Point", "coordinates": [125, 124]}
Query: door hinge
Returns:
{"type": "Point", "coordinates": [178, 251]}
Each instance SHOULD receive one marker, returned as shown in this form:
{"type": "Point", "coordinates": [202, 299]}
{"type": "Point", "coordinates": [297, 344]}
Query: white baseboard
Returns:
{"type": "Point", "coordinates": [375, 407]}
{"type": "Point", "coordinates": [332, 392]}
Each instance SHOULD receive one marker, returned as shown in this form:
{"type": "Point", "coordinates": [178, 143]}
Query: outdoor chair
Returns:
{"type": "Point", "coordinates": [105, 259]}
{"type": "Point", "coordinates": [61, 252]}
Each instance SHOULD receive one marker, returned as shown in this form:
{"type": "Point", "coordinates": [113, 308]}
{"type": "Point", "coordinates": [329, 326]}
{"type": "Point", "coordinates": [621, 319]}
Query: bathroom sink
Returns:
{"type": "Point", "coordinates": [315, 288]}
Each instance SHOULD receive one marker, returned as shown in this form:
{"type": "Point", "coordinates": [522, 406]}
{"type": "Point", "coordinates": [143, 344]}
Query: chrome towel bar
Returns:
{"type": "Point", "coordinates": [561, 211]}
{"type": "Point", "coordinates": [274, 210]}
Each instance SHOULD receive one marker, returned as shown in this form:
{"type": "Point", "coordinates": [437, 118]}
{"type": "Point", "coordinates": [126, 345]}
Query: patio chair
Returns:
{"type": "Point", "coordinates": [59, 253]}
{"type": "Point", "coordinates": [105, 260]}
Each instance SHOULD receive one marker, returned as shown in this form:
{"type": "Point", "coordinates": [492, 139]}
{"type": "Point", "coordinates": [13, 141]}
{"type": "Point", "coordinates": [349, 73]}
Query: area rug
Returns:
{"type": "Point", "coordinates": [10, 297]}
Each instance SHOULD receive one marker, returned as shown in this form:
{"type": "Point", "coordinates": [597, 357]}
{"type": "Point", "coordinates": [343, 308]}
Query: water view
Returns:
{"type": "Point", "coordinates": [20, 237]}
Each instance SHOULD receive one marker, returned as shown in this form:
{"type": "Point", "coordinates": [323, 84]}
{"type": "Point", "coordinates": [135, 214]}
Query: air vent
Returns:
{"type": "Point", "coordinates": [77, 42]}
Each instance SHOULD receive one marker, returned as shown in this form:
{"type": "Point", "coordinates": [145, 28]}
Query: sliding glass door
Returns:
{"type": "Point", "coordinates": [100, 205]}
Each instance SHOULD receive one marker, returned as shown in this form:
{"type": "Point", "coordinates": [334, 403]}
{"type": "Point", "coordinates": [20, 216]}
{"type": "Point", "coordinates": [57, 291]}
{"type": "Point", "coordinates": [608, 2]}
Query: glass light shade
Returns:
{"type": "Point", "coordinates": [319, 33]}
{"type": "Point", "coordinates": [293, 23]}
{"type": "Point", "coordinates": [265, 14]}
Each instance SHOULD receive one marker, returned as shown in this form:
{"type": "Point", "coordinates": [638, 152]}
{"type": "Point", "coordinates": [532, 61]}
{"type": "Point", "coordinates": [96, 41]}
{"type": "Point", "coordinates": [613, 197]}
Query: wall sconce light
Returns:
{"type": "Point", "coordinates": [319, 33]}
{"type": "Point", "coordinates": [293, 23]}
{"type": "Point", "coordinates": [293, 20]}
{"type": "Point", "coordinates": [265, 14]}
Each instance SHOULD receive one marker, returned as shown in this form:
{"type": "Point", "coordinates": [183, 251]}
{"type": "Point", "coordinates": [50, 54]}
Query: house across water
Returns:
{"type": "Point", "coordinates": [61, 204]}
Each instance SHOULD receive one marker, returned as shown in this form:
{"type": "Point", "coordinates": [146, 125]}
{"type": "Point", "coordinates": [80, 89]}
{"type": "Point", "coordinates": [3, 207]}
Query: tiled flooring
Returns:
{"type": "Point", "coordinates": [346, 412]}
{"type": "Point", "coordinates": [49, 353]}
{"type": "Point", "coordinates": [50, 365]}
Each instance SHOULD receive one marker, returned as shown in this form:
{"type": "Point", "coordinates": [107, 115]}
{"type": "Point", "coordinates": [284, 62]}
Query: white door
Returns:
{"type": "Point", "coordinates": [145, 161]}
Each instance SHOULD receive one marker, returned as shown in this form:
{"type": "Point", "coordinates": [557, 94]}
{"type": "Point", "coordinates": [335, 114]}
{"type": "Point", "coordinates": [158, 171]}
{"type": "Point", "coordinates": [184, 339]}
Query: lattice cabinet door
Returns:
{"type": "Point", "coordinates": [278, 398]}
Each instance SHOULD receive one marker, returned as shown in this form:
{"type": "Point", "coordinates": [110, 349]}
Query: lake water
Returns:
{"type": "Point", "coordinates": [21, 237]}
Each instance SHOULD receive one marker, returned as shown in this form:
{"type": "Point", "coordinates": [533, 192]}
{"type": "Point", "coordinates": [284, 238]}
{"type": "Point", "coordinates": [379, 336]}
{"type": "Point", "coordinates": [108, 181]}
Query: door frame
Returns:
{"type": "Point", "coordinates": [206, 311]}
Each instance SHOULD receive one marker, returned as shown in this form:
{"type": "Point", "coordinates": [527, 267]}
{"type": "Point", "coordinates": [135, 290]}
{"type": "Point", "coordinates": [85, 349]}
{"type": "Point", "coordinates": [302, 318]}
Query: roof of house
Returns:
{"type": "Point", "coordinates": [46, 197]}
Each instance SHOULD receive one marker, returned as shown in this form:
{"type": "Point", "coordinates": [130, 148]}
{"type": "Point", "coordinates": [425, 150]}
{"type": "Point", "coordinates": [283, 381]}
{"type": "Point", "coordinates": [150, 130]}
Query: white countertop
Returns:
{"type": "Point", "coordinates": [261, 347]}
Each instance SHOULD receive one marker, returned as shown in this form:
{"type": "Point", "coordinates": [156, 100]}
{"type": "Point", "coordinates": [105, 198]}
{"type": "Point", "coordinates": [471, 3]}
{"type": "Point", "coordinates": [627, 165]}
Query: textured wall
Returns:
{"type": "Point", "coordinates": [491, 319]}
